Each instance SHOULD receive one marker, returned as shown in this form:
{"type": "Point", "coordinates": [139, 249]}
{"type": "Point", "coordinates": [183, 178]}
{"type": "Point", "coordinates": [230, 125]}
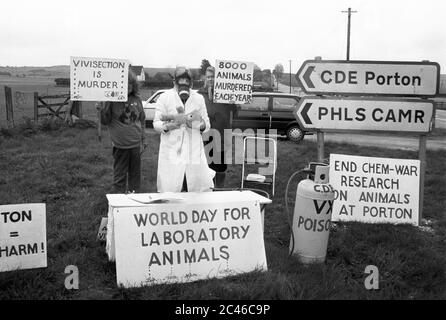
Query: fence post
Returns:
{"type": "Point", "coordinates": [36, 106]}
{"type": "Point", "coordinates": [9, 109]}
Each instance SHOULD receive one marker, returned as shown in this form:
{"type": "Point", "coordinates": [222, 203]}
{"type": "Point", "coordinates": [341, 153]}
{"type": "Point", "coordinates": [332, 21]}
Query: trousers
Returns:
{"type": "Point", "coordinates": [126, 170]}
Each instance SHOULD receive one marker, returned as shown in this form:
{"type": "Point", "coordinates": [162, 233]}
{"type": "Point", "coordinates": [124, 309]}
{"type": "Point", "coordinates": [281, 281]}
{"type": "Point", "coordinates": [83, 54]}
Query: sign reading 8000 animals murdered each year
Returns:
{"type": "Point", "coordinates": [233, 82]}
{"type": "Point", "coordinates": [98, 79]}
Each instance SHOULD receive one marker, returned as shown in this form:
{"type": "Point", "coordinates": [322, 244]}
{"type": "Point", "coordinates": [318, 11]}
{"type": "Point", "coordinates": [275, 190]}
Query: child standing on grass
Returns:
{"type": "Point", "coordinates": [126, 123]}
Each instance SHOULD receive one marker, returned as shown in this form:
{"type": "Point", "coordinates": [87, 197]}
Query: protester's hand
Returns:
{"type": "Point", "coordinates": [171, 126]}
{"type": "Point", "coordinates": [178, 118]}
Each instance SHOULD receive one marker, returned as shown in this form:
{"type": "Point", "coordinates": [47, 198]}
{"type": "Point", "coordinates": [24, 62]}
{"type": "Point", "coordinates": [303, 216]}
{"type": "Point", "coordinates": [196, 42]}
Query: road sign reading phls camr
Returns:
{"type": "Point", "coordinates": [369, 77]}
{"type": "Point", "coordinates": [361, 114]}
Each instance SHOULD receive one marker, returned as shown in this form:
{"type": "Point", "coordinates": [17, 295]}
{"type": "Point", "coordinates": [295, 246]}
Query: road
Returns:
{"type": "Point", "coordinates": [440, 119]}
{"type": "Point", "coordinates": [395, 142]}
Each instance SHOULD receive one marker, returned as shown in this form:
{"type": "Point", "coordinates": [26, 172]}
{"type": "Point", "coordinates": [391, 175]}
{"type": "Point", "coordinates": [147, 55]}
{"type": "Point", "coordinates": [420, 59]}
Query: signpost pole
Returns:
{"type": "Point", "coordinates": [320, 135]}
{"type": "Point", "coordinates": [422, 158]}
{"type": "Point", "coordinates": [320, 146]}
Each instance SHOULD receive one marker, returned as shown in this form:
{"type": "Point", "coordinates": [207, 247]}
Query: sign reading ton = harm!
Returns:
{"type": "Point", "coordinates": [369, 77]}
{"type": "Point", "coordinates": [316, 113]}
{"type": "Point", "coordinates": [233, 82]}
{"type": "Point", "coordinates": [98, 79]}
{"type": "Point", "coordinates": [22, 236]}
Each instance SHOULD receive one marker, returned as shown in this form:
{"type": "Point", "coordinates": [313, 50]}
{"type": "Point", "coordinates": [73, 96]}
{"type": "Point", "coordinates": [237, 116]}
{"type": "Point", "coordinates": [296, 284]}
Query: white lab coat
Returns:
{"type": "Point", "coordinates": [181, 150]}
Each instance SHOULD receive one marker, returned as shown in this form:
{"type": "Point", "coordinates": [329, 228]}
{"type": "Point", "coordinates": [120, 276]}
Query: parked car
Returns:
{"type": "Point", "coordinates": [149, 107]}
{"type": "Point", "coordinates": [270, 110]}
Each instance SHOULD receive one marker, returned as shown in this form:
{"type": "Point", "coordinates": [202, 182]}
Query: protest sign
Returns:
{"type": "Point", "coordinates": [174, 243]}
{"type": "Point", "coordinates": [22, 236]}
{"type": "Point", "coordinates": [102, 232]}
{"type": "Point", "coordinates": [233, 81]}
{"type": "Point", "coordinates": [375, 190]}
{"type": "Point", "coordinates": [98, 79]}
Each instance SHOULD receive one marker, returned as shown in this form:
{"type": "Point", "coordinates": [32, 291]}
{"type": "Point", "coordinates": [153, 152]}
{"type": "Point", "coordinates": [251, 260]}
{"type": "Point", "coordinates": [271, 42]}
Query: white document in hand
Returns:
{"type": "Point", "coordinates": [156, 197]}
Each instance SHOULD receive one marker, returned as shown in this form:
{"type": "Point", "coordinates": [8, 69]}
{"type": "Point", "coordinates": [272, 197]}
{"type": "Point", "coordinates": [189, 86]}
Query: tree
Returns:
{"type": "Point", "coordinates": [278, 70]}
{"type": "Point", "coordinates": [204, 65]}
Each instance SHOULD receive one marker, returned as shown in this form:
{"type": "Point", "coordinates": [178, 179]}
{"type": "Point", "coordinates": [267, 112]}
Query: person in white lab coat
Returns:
{"type": "Point", "coordinates": [181, 117]}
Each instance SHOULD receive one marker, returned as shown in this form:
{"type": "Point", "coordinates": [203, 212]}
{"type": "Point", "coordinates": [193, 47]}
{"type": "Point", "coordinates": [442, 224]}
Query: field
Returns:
{"type": "Point", "coordinates": [69, 170]}
{"type": "Point", "coordinates": [23, 97]}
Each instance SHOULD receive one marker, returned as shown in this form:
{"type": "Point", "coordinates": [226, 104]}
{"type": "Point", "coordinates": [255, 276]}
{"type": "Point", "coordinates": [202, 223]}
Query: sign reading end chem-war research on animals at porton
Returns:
{"type": "Point", "coordinates": [177, 243]}
{"type": "Point", "coordinates": [98, 79]}
{"type": "Point", "coordinates": [375, 190]}
{"type": "Point", "coordinates": [233, 81]}
{"type": "Point", "coordinates": [22, 236]}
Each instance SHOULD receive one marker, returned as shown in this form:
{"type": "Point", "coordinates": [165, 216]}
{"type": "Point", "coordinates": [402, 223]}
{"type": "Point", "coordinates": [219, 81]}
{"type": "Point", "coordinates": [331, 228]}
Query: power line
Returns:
{"type": "Point", "coordinates": [348, 30]}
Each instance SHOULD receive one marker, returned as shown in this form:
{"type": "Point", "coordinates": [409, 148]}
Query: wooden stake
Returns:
{"type": "Point", "coordinates": [422, 158]}
{"type": "Point", "coordinates": [99, 122]}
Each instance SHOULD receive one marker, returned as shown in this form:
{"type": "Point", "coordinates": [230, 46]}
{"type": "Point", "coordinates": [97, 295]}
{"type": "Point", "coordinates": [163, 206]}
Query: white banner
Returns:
{"type": "Point", "coordinates": [375, 190]}
{"type": "Point", "coordinates": [173, 243]}
{"type": "Point", "coordinates": [233, 81]}
{"type": "Point", "coordinates": [98, 79]}
{"type": "Point", "coordinates": [22, 236]}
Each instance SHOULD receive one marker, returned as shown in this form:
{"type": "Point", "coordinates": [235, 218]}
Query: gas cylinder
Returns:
{"type": "Point", "coordinates": [312, 216]}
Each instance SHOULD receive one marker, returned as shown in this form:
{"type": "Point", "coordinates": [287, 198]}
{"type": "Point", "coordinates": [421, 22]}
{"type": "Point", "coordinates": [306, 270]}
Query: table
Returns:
{"type": "Point", "coordinates": [116, 201]}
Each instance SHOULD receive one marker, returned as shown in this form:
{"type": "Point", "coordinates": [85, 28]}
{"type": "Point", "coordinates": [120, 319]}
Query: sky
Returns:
{"type": "Point", "coordinates": [168, 33]}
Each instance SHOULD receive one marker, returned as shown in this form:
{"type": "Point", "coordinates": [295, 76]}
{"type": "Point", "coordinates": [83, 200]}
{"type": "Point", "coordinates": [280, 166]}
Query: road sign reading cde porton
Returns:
{"type": "Point", "coordinates": [361, 114]}
{"type": "Point", "coordinates": [369, 77]}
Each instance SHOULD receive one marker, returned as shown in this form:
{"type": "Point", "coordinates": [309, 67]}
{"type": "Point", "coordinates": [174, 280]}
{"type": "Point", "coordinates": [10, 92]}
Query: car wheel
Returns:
{"type": "Point", "coordinates": [294, 133]}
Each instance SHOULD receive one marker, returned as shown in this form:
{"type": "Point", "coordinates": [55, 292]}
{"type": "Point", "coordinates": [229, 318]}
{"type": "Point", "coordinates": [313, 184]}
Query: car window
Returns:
{"type": "Point", "coordinates": [257, 103]}
{"type": "Point", "coordinates": [284, 103]}
{"type": "Point", "coordinates": [155, 98]}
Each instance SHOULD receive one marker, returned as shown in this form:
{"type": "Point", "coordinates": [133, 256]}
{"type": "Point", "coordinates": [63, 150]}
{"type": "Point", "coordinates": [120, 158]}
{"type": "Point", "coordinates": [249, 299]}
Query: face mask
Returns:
{"type": "Point", "coordinates": [183, 92]}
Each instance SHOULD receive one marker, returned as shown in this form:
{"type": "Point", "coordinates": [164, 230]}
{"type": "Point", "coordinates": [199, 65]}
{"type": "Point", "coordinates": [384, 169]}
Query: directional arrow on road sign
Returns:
{"type": "Point", "coordinates": [369, 77]}
{"type": "Point", "coordinates": [365, 114]}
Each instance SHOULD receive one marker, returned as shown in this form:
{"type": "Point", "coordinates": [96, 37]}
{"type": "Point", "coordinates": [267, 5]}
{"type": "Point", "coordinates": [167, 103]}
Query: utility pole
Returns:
{"type": "Point", "coordinates": [290, 76]}
{"type": "Point", "coordinates": [348, 30]}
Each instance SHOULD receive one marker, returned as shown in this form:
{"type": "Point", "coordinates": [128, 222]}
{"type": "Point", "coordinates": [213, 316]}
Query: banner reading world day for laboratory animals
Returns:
{"type": "Point", "coordinates": [22, 236]}
{"type": "Point", "coordinates": [177, 243]}
{"type": "Point", "coordinates": [98, 79]}
{"type": "Point", "coordinates": [375, 190]}
{"type": "Point", "coordinates": [233, 81]}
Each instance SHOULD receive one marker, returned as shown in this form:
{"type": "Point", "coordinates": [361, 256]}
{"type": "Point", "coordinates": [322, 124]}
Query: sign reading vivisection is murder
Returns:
{"type": "Point", "coordinates": [356, 114]}
{"type": "Point", "coordinates": [375, 190]}
{"type": "Point", "coordinates": [233, 81]}
{"type": "Point", "coordinates": [98, 79]}
{"type": "Point", "coordinates": [172, 243]}
{"type": "Point", "coordinates": [22, 236]}
{"type": "Point", "coordinates": [399, 78]}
